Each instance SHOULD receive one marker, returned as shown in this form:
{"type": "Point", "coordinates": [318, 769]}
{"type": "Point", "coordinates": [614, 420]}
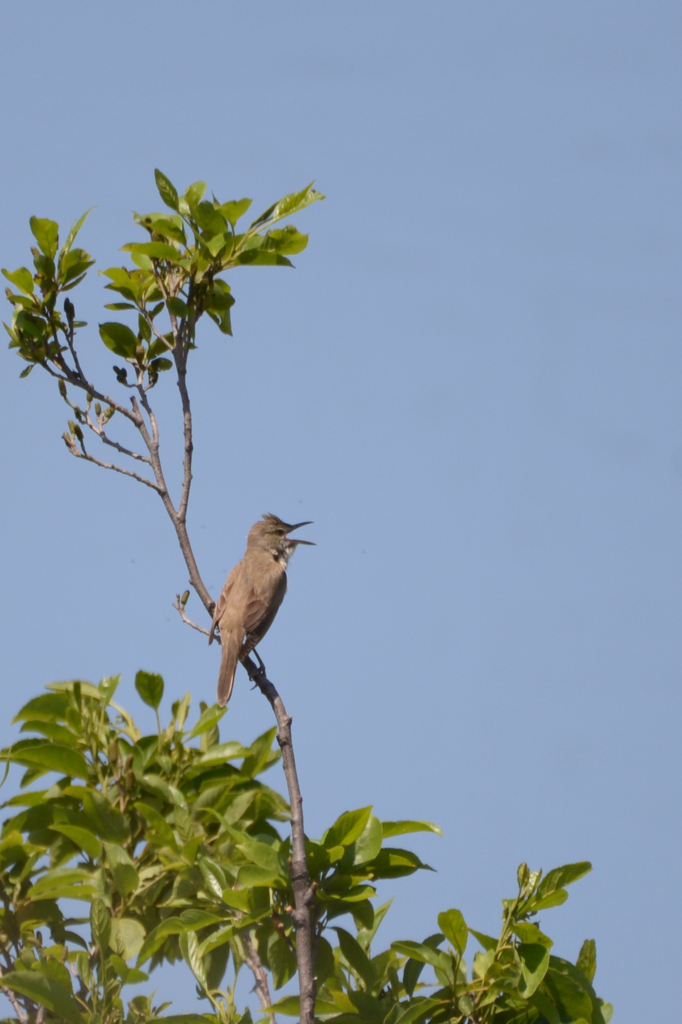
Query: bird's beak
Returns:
{"type": "Point", "coordinates": [297, 526]}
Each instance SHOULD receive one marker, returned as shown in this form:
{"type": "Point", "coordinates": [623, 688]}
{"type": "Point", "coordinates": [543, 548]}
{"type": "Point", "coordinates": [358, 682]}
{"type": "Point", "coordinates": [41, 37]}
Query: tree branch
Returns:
{"type": "Point", "coordinates": [180, 608]}
{"type": "Point", "coordinates": [255, 965]}
{"type": "Point", "coordinates": [304, 893]}
{"type": "Point", "coordinates": [76, 381]}
{"type": "Point", "coordinates": [16, 1005]}
{"type": "Point", "coordinates": [84, 454]}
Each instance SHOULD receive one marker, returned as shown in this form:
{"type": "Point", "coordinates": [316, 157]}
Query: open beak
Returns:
{"type": "Point", "coordinates": [297, 526]}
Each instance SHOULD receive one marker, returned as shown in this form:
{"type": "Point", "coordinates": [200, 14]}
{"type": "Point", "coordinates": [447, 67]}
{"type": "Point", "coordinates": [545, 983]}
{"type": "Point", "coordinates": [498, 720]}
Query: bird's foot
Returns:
{"type": "Point", "coordinates": [261, 665]}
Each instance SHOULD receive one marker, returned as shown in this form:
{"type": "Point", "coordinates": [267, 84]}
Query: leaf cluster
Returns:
{"type": "Point", "coordinates": [171, 840]}
{"type": "Point", "coordinates": [175, 271]}
{"type": "Point", "coordinates": [513, 978]}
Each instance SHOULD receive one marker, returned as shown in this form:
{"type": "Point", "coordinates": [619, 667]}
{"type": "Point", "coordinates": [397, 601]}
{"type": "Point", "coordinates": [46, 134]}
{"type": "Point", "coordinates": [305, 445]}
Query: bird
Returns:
{"type": "Point", "coordinates": [252, 594]}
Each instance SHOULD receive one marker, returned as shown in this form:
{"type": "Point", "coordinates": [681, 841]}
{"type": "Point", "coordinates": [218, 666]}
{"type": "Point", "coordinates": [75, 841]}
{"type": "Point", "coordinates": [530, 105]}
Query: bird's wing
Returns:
{"type": "Point", "coordinates": [262, 606]}
{"type": "Point", "coordinates": [221, 603]}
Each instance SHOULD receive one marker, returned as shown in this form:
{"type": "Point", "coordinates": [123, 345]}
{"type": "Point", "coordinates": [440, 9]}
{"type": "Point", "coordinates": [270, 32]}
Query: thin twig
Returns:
{"type": "Point", "coordinates": [179, 607]}
{"type": "Point", "coordinates": [16, 1005]}
{"type": "Point", "coordinates": [261, 988]}
{"type": "Point", "coordinates": [84, 454]}
{"type": "Point", "coordinates": [69, 377]}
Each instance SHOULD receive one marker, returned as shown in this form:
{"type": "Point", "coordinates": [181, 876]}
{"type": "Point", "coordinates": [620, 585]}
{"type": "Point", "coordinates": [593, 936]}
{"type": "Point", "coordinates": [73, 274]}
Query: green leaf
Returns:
{"type": "Point", "coordinates": [324, 961]}
{"type": "Point", "coordinates": [128, 975]}
{"type": "Point", "coordinates": [75, 228]}
{"type": "Point", "coordinates": [530, 933]}
{"type": "Point", "coordinates": [189, 946]}
{"type": "Point", "coordinates": [534, 963]}
{"type": "Point", "coordinates": [250, 875]}
{"type": "Point", "coordinates": [82, 838]}
{"type": "Point", "coordinates": [356, 957]}
{"type": "Point", "coordinates": [570, 997]}
{"type": "Point", "coordinates": [176, 306]}
{"type": "Point", "coordinates": [46, 234]}
{"type": "Point", "coordinates": [73, 267]}
{"type": "Point", "coordinates": [235, 209]}
{"type": "Point", "coordinates": [157, 937]}
{"type": "Point", "coordinates": [238, 899]}
{"type": "Point", "coordinates": [123, 870]}
{"type": "Point", "coordinates": [60, 883]}
{"type": "Point", "coordinates": [399, 828]}
{"type": "Point", "coordinates": [546, 1007]}
{"type": "Point", "coordinates": [486, 941]}
{"type": "Point", "coordinates": [553, 899]}
{"type": "Point", "coordinates": [127, 936]}
{"type": "Point", "coordinates": [288, 241]}
{"type": "Point", "coordinates": [155, 250]}
{"type": "Point", "coordinates": [51, 756]}
{"type": "Point", "coordinates": [394, 863]}
{"type": "Point", "coordinates": [161, 833]}
{"type": "Point", "coordinates": [419, 1008]}
{"type": "Point", "coordinates": [46, 707]}
{"type": "Point", "coordinates": [587, 959]}
{"type": "Point", "coordinates": [262, 854]}
{"type": "Point", "coordinates": [289, 205]}
{"type": "Point", "coordinates": [155, 784]}
{"type": "Point", "coordinates": [261, 258]}
{"type": "Point", "coordinates": [423, 953]}
{"type": "Point", "coordinates": [368, 844]}
{"type": "Point", "coordinates": [453, 927]}
{"type": "Point", "coordinates": [216, 939]}
{"type": "Point", "coordinates": [59, 733]}
{"type": "Point", "coordinates": [213, 876]}
{"type": "Point", "coordinates": [107, 821]}
{"type": "Point", "coordinates": [45, 991]}
{"type": "Point", "coordinates": [100, 924]}
{"type": "Point", "coordinates": [149, 685]}
{"type": "Point", "coordinates": [207, 720]}
{"type": "Point", "coordinates": [347, 828]}
{"type": "Point", "coordinates": [210, 219]}
{"type": "Point", "coordinates": [21, 279]}
{"type": "Point", "coordinates": [119, 338]}
{"type": "Point", "coordinates": [185, 1018]}
{"type": "Point", "coordinates": [558, 878]}
{"type": "Point", "coordinates": [282, 960]}
{"type": "Point", "coordinates": [167, 190]}
{"type": "Point", "coordinates": [411, 973]}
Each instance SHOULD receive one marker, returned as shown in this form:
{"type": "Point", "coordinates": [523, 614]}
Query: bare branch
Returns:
{"type": "Point", "coordinates": [180, 608]}
{"type": "Point", "coordinates": [84, 454]}
{"type": "Point", "coordinates": [14, 1000]}
{"type": "Point", "coordinates": [304, 893]}
{"type": "Point", "coordinates": [69, 377]}
{"type": "Point", "coordinates": [70, 334]}
{"type": "Point", "coordinates": [261, 988]}
{"type": "Point", "coordinates": [119, 447]}
{"type": "Point", "coordinates": [97, 429]}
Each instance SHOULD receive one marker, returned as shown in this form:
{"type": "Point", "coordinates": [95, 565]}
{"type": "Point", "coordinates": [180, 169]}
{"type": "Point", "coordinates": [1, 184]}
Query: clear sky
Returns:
{"type": "Point", "coordinates": [472, 383]}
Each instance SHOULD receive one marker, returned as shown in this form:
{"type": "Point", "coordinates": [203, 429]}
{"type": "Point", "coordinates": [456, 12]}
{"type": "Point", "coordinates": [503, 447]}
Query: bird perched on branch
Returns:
{"type": "Point", "coordinates": [252, 594]}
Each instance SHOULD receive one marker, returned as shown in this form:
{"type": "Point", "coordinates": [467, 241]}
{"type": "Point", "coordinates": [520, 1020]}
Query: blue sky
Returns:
{"type": "Point", "coordinates": [472, 383]}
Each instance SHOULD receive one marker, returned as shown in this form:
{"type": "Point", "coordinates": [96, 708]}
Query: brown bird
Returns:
{"type": "Point", "coordinates": [252, 594]}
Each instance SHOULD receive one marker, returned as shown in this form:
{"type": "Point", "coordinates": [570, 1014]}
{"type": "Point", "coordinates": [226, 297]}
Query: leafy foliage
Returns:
{"type": "Point", "coordinates": [174, 848]}
{"type": "Point", "coordinates": [177, 271]}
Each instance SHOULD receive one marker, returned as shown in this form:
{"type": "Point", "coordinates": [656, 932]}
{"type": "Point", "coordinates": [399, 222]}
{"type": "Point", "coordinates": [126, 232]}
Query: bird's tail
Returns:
{"type": "Point", "coordinates": [231, 641]}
